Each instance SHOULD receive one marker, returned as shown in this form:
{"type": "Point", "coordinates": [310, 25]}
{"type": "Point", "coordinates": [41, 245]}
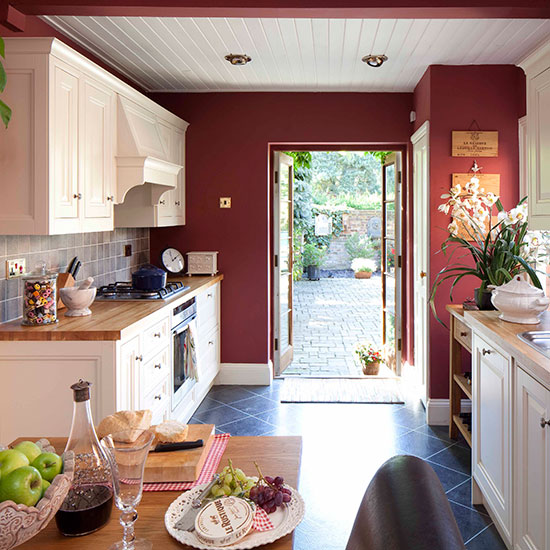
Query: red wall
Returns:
{"type": "Point", "coordinates": [451, 97]}
{"type": "Point", "coordinates": [227, 155]}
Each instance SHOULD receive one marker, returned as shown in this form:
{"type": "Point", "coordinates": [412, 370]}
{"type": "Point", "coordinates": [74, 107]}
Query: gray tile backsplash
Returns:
{"type": "Point", "coordinates": [101, 254]}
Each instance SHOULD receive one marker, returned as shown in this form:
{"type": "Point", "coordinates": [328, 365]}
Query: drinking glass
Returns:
{"type": "Point", "coordinates": [127, 452]}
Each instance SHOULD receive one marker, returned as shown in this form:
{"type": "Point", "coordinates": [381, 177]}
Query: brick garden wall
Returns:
{"type": "Point", "coordinates": [364, 222]}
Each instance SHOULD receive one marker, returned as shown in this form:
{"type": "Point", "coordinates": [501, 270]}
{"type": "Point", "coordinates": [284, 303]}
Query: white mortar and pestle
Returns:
{"type": "Point", "coordinates": [78, 299]}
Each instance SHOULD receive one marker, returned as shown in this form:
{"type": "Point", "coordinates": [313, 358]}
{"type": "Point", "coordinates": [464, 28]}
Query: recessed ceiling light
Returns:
{"type": "Point", "coordinates": [374, 60]}
{"type": "Point", "coordinates": [238, 58]}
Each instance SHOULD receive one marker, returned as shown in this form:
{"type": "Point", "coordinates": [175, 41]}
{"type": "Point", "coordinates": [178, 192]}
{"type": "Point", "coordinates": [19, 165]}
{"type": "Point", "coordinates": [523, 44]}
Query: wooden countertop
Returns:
{"type": "Point", "coordinates": [108, 319]}
{"type": "Point", "coordinates": [504, 335]}
{"type": "Point", "coordinates": [275, 455]}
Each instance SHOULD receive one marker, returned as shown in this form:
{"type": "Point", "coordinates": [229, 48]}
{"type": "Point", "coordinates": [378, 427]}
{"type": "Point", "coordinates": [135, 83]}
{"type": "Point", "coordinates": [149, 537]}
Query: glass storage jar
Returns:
{"type": "Point", "coordinates": [39, 297]}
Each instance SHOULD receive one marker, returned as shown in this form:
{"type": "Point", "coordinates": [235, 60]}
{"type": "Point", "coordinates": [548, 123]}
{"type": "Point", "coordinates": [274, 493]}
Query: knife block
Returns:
{"type": "Point", "coordinates": [63, 281]}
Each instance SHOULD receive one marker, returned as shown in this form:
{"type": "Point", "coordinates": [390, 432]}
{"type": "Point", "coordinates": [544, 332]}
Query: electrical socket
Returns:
{"type": "Point", "coordinates": [127, 250]}
{"type": "Point", "coordinates": [225, 202]}
{"type": "Point", "coordinates": [15, 268]}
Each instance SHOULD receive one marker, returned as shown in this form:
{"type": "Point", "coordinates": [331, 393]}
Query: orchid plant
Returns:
{"type": "Point", "coordinates": [500, 248]}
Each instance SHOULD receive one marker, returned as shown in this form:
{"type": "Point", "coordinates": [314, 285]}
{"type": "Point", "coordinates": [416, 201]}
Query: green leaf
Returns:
{"type": "Point", "coordinates": [3, 78]}
{"type": "Point", "coordinates": [2, 51]}
{"type": "Point", "coordinates": [5, 113]}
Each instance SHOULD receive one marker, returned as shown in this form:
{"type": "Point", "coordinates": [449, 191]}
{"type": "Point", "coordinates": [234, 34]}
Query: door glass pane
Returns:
{"type": "Point", "coordinates": [390, 294]}
{"type": "Point", "coordinates": [390, 330]}
{"type": "Point", "coordinates": [285, 207]}
{"type": "Point", "coordinates": [390, 182]}
{"type": "Point", "coordinates": [390, 256]}
{"type": "Point", "coordinates": [285, 312]}
{"type": "Point", "coordinates": [389, 230]}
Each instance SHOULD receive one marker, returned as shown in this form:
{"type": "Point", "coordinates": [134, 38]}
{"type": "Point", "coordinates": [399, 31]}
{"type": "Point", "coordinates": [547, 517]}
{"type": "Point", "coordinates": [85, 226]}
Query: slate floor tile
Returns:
{"type": "Point", "coordinates": [489, 539]}
{"type": "Point", "coordinates": [462, 493]}
{"type": "Point", "coordinates": [246, 426]}
{"type": "Point", "coordinates": [439, 432]}
{"type": "Point", "coordinates": [449, 478]}
{"type": "Point", "coordinates": [418, 444]}
{"type": "Point", "coordinates": [220, 415]}
{"type": "Point", "coordinates": [255, 405]}
{"type": "Point", "coordinates": [228, 394]}
{"type": "Point", "coordinates": [206, 405]}
{"type": "Point", "coordinates": [410, 418]}
{"type": "Point", "coordinates": [455, 457]}
{"type": "Point", "coordinates": [470, 522]}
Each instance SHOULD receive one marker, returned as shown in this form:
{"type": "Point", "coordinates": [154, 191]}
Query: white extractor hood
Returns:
{"type": "Point", "coordinates": [141, 152]}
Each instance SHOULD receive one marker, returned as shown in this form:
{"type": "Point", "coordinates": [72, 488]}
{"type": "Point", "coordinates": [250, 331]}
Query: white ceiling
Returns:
{"type": "Point", "coordinates": [187, 54]}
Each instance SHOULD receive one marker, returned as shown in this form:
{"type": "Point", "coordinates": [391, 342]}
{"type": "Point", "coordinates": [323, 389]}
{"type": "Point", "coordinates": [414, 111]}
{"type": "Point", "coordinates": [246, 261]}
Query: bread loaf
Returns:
{"type": "Point", "coordinates": [125, 421]}
{"type": "Point", "coordinates": [170, 431]}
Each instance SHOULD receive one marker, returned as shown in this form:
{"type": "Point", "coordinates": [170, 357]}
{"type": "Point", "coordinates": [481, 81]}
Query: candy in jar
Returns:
{"type": "Point", "coordinates": [39, 297]}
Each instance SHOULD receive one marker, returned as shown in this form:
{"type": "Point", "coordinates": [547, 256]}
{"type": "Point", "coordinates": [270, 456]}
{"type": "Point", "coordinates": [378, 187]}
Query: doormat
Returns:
{"type": "Point", "coordinates": [341, 390]}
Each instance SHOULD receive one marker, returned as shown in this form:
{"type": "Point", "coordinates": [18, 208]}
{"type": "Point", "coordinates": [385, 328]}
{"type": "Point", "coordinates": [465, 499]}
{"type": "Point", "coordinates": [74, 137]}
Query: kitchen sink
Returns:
{"type": "Point", "coordinates": [537, 339]}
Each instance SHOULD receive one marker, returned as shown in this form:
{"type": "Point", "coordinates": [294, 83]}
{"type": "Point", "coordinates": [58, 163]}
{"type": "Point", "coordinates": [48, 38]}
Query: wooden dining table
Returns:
{"type": "Point", "coordinates": [277, 455]}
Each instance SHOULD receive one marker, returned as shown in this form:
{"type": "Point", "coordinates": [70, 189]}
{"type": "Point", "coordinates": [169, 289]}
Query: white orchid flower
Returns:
{"type": "Point", "coordinates": [455, 190]}
{"type": "Point", "coordinates": [444, 208]}
{"type": "Point", "coordinates": [503, 217]}
{"type": "Point", "coordinates": [453, 228]}
{"type": "Point", "coordinates": [490, 199]}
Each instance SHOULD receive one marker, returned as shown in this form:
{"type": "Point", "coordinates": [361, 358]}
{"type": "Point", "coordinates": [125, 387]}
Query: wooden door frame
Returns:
{"type": "Point", "coordinates": [404, 149]}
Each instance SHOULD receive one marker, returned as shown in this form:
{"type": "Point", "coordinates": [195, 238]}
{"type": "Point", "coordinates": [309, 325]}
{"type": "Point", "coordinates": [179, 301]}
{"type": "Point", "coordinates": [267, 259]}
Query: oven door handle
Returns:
{"type": "Point", "coordinates": [178, 329]}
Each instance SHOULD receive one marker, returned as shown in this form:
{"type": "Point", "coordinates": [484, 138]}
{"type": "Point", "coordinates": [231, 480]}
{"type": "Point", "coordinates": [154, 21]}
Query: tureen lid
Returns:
{"type": "Point", "coordinates": [518, 286]}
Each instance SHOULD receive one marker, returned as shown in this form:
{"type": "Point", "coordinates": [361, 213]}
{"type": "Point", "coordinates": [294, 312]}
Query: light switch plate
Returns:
{"type": "Point", "coordinates": [225, 202]}
{"type": "Point", "coordinates": [15, 268]}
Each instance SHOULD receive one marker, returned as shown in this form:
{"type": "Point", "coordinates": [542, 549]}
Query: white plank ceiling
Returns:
{"type": "Point", "coordinates": [187, 54]}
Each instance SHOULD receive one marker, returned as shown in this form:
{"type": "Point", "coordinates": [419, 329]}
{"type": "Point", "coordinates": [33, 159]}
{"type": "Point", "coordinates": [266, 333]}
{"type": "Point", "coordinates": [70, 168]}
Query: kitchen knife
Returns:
{"type": "Point", "coordinates": [76, 269]}
{"type": "Point", "coordinates": [187, 521]}
{"type": "Point", "coordinates": [72, 263]}
{"type": "Point", "coordinates": [165, 447]}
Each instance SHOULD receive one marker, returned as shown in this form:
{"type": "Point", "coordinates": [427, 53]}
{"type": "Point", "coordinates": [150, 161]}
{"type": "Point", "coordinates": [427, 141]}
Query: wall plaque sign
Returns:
{"type": "Point", "coordinates": [475, 143]}
{"type": "Point", "coordinates": [323, 225]}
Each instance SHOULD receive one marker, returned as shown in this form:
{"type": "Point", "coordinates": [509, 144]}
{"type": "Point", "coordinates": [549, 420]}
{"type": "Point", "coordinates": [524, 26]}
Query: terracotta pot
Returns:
{"type": "Point", "coordinates": [371, 369]}
{"type": "Point", "coordinates": [363, 274]}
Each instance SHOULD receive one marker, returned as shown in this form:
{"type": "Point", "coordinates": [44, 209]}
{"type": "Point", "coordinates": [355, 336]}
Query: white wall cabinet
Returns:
{"type": "Point", "coordinates": [532, 464]}
{"type": "Point", "coordinates": [537, 69]}
{"type": "Point", "coordinates": [58, 157]}
{"type": "Point", "coordinates": [491, 430]}
{"type": "Point", "coordinates": [132, 373]}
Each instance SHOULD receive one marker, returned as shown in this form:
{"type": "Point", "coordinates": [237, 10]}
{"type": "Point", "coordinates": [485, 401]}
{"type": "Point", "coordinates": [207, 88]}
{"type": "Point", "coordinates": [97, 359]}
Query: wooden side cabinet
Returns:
{"type": "Point", "coordinates": [459, 385]}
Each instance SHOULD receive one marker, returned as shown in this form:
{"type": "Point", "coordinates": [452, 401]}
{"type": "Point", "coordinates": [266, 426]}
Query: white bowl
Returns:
{"type": "Point", "coordinates": [77, 301]}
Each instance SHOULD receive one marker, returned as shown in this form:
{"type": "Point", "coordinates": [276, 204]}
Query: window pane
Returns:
{"type": "Point", "coordinates": [390, 182]}
{"type": "Point", "coordinates": [390, 256]}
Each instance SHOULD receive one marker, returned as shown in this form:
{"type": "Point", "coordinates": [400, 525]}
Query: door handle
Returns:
{"type": "Point", "coordinates": [422, 274]}
{"type": "Point", "coordinates": [544, 423]}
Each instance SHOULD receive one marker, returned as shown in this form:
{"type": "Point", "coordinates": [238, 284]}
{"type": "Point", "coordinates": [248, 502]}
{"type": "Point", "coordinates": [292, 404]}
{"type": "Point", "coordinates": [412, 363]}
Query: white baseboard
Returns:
{"type": "Point", "coordinates": [245, 374]}
{"type": "Point", "coordinates": [437, 411]}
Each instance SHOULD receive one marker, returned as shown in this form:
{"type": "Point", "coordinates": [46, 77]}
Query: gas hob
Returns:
{"type": "Point", "coordinates": [124, 291]}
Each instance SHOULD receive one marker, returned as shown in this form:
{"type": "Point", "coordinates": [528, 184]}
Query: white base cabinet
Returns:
{"type": "Point", "coordinates": [132, 373]}
{"type": "Point", "coordinates": [532, 464]}
{"type": "Point", "coordinates": [491, 430]}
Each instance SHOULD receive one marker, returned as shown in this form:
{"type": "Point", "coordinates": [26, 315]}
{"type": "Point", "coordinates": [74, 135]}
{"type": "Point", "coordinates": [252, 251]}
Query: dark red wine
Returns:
{"type": "Point", "coordinates": [85, 510]}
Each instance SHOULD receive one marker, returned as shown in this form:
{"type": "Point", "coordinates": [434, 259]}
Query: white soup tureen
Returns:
{"type": "Point", "coordinates": [520, 302]}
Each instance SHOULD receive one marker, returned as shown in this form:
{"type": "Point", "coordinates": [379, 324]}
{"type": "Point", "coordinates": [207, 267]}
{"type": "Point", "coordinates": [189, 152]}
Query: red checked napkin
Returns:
{"type": "Point", "coordinates": [208, 470]}
{"type": "Point", "coordinates": [261, 520]}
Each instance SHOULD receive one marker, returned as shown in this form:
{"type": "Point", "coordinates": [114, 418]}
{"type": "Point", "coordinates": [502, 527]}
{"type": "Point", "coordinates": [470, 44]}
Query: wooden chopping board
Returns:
{"type": "Point", "coordinates": [181, 465]}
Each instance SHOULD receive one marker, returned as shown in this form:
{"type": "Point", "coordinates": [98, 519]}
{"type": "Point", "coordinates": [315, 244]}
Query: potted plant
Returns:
{"type": "Point", "coordinates": [312, 258]}
{"type": "Point", "coordinates": [363, 268]}
{"type": "Point", "coordinates": [370, 358]}
{"type": "Point", "coordinates": [499, 251]}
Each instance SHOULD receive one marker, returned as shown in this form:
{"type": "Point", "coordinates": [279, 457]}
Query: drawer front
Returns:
{"type": "Point", "coordinates": [154, 371]}
{"type": "Point", "coordinates": [156, 336]}
{"type": "Point", "coordinates": [463, 333]}
{"type": "Point", "coordinates": [158, 398]}
{"type": "Point", "coordinates": [207, 308]}
{"type": "Point", "coordinates": [209, 353]}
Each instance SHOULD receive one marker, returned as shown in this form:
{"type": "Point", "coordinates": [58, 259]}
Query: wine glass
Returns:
{"type": "Point", "coordinates": [127, 452]}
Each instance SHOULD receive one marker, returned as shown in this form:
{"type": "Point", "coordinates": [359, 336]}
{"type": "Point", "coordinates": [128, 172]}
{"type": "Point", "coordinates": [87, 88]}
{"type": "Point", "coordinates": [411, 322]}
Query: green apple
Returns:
{"type": "Point", "coordinates": [48, 464]}
{"type": "Point", "coordinates": [45, 485]}
{"type": "Point", "coordinates": [10, 460]}
{"type": "Point", "coordinates": [29, 449]}
{"type": "Point", "coordinates": [22, 485]}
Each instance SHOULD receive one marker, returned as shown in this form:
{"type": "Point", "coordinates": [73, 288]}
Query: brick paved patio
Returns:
{"type": "Point", "coordinates": [330, 317]}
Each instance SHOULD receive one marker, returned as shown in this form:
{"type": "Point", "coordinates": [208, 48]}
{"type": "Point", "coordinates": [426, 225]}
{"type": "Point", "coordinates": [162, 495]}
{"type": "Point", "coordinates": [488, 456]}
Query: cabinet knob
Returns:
{"type": "Point", "coordinates": [162, 202]}
{"type": "Point", "coordinates": [209, 295]}
{"type": "Point", "coordinates": [139, 357]}
{"type": "Point", "coordinates": [159, 397]}
{"type": "Point", "coordinates": [178, 203]}
{"type": "Point", "coordinates": [77, 196]}
{"type": "Point", "coordinates": [486, 351]}
{"type": "Point", "coordinates": [210, 343]}
{"type": "Point", "coordinates": [111, 198]}
{"type": "Point", "coordinates": [157, 335]}
{"type": "Point", "coordinates": [544, 423]}
{"type": "Point", "coordinates": [463, 334]}
{"type": "Point", "coordinates": [158, 366]}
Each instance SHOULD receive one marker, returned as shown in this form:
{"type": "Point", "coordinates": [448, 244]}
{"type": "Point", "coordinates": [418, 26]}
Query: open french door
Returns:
{"type": "Point", "coordinates": [391, 261]}
{"type": "Point", "coordinates": [283, 216]}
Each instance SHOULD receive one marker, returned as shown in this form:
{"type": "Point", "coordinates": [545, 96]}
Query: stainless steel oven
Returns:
{"type": "Point", "coordinates": [183, 367]}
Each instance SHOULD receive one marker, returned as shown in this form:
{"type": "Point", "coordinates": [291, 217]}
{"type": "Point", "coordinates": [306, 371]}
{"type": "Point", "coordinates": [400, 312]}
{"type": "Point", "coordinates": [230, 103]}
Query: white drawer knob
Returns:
{"type": "Point", "coordinates": [139, 357]}
{"type": "Point", "coordinates": [159, 397]}
{"type": "Point", "coordinates": [157, 335]}
{"type": "Point", "coordinates": [486, 351]}
{"type": "Point", "coordinates": [158, 366]}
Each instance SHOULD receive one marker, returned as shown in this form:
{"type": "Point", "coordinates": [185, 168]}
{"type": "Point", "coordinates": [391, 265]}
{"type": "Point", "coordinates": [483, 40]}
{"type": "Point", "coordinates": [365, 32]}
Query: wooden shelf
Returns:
{"type": "Point", "coordinates": [463, 429]}
{"type": "Point", "coordinates": [463, 383]}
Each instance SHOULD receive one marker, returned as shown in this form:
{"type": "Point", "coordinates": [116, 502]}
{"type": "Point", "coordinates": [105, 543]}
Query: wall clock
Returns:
{"type": "Point", "coordinates": [172, 260]}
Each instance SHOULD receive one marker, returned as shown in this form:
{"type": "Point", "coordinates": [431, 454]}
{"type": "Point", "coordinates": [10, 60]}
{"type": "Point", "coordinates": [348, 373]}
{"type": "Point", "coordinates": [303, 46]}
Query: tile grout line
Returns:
{"type": "Point", "coordinates": [468, 508]}
{"type": "Point", "coordinates": [477, 534]}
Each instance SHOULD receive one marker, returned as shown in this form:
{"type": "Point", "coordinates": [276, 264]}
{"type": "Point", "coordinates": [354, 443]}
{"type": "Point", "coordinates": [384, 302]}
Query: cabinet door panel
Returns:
{"type": "Point", "coordinates": [97, 154]}
{"type": "Point", "coordinates": [64, 146]}
{"type": "Point", "coordinates": [532, 464]}
{"type": "Point", "coordinates": [491, 429]}
{"type": "Point", "coordinates": [128, 380]}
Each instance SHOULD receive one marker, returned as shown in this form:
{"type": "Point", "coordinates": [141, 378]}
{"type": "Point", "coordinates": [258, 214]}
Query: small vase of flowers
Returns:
{"type": "Point", "coordinates": [499, 247]}
{"type": "Point", "coordinates": [370, 358]}
{"type": "Point", "coordinates": [363, 268]}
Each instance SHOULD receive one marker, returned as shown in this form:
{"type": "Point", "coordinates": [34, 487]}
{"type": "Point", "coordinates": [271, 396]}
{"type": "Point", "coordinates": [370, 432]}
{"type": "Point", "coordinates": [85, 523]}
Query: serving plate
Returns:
{"type": "Point", "coordinates": [285, 519]}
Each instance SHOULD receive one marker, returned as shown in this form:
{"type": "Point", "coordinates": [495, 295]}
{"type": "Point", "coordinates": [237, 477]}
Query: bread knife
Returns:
{"type": "Point", "coordinates": [165, 447]}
